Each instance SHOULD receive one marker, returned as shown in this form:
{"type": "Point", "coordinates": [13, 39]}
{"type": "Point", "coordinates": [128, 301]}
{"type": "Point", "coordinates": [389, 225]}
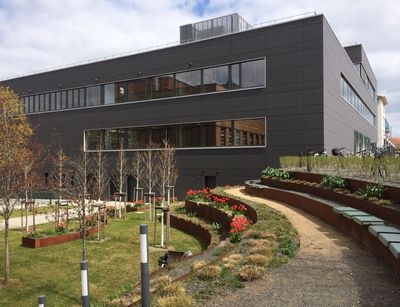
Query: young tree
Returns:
{"type": "Point", "coordinates": [100, 173]}
{"type": "Point", "coordinates": [14, 135]}
{"type": "Point", "coordinates": [166, 163]}
{"type": "Point", "coordinates": [150, 162]}
{"type": "Point", "coordinates": [78, 193]}
{"type": "Point", "coordinates": [121, 170]}
{"type": "Point", "coordinates": [137, 170]}
{"type": "Point", "coordinates": [60, 182]}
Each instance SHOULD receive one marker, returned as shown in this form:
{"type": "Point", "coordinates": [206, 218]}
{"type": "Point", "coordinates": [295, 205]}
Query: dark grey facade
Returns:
{"type": "Point", "coordinates": [301, 101]}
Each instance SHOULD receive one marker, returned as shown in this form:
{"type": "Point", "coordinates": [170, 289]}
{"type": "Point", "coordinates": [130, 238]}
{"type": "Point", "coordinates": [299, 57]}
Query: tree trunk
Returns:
{"type": "Point", "coordinates": [6, 252]}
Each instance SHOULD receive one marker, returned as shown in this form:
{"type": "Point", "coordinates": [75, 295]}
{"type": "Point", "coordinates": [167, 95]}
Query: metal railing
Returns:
{"type": "Point", "coordinates": [152, 48]}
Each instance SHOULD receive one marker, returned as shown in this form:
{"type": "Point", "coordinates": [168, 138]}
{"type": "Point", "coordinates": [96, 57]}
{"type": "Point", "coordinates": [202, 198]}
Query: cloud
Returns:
{"type": "Point", "coordinates": [38, 34]}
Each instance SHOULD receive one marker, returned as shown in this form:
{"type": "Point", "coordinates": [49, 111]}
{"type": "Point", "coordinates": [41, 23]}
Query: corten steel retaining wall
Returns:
{"type": "Point", "coordinates": [384, 212]}
{"type": "Point", "coordinates": [43, 242]}
{"type": "Point", "coordinates": [191, 228]}
{"type": "Point", "coordinates": [209, 213]}
{"type": "Point", "coordinates": [326, 213]}
{"type": "Point", "coordinates": [391, 192]}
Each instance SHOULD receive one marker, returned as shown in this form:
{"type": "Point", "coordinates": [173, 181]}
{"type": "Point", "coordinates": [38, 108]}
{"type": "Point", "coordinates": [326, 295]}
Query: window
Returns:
{"type": "Point", "coordinates": [93, 96]}
{"type": "Point", "coordinates": [113, 139]}
{"type": "Point", "coordinates": [121, 92]}
{"type": "Point", "coordinates": [63, 99]}
{"type": "Point", "coordinates": [162, 86]}
{"type": "Point", "coordinates": [216, 79]}
{"type": "Point", "coordinates": [41, 103]}
{"type": "Point", "coordinates": [253, 73]}
{"type": "Point", "coordinates": [109, 93]}
{"type": "Point", "coordinates": [47, 106]}
{"type": "Point", "coordinates": [350, 95]}
{"type": "Point", "coordinates": [207, 80]}
{"type": "Point", "coordinates": [138, 138]}
{"type": "Point", "coordinates": [139, 89]}
{"type": "Point", "coordinates": [188, 83]}
{"type": "Point", "coordinates": [228, 133]}
{"type": "Point", "coordinates": [93, 139]}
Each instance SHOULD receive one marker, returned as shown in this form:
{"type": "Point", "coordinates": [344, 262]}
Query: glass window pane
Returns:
{"type": "Point", "coordinates": [162, 86]}
{"type": "Point", "coordinates": [138, 138]}
{"type": "Point", "coordinates": [64, 99]}
{"type": "Point", "coordinates": [139, 89]}
{"type": "Point", "coordinates": [122, 92]}
{"type": "Point", "coordinates": [47, 102]}
{"type": "Point", "coordinates": [41, 103]}
{"type": "Point", "coordinates": [93, 139]}
{"type": "Point", "coordinates": [93, 96]}
{"type": "Point", "coordinates": [70, 103]}
{"type": "Point", "coordinates": [187, 83]}
{"type": "Point", "coordinates": [109, 93]}
{"type": "Point", "coordinates": [113, 139]}
{"type": "Point", "coordinates": [235, 76]}
{"type": "Point", "coordinates": [75, 98]}
{"type": "Point", "coordinates": [82, 97]}
{"type": "Point", "coordinates": [58, 100]}
{"type": "Point", "coordinates": [216, 79]}
{"type": "Point", "coordinates": [36, 103]}
{"type": "Point", "coordinates": [253, 73]}
{"type": "Point", "coordinates": [190, 135]}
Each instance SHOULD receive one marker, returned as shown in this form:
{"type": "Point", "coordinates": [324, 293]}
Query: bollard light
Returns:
{"type": "Point", "coordinates": [85, 283]}
{"type": "Point", "coordinates": [144, 266]}
{"type": "Point", "coordinates": [42, 300]}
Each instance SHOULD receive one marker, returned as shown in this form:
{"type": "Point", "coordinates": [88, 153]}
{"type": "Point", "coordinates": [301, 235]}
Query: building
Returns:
{"type": "Point", "coordinates": [232, 98]}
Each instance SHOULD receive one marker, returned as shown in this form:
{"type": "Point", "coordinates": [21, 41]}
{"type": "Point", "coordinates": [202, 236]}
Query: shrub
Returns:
{"type": "Point", "coordinates": [182, 300]}
{"type": "Point", "coordinates": [385, 202]}
{"type": "Point", "coordinates": [261, 250]}
{"type": "Point", "coordinates": [251, 272]}
{"type": "Point", "coordinates": [198, 265]}
{"type": "Point", "coordinates": [334, 182]}
{"type": "Point", "coordinates": [258, 260]}
{"type": "Point", "coordinates": [276, 173]}
{"type": "Point", "coordinates": [374, 191]}
{"type": "Point", "coordinates": [209, 272]}
{"type": "Point", "coordinates": [287, 247]}
{"type": "Point", "coordinates": [160, 282]}
{"type": "Point", "coordinates": [232, 260]}
{"type": "Point", "coordinates": [217, 227]}
{"type": "Point", "coordinates": [175, 288]}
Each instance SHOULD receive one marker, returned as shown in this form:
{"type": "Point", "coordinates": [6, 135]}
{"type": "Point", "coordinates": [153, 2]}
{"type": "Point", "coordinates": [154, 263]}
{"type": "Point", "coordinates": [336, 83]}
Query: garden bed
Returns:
{"type": "Point", "coordinates": [53, 240]}
{"type": "Point", "coordinates": [384, 212]}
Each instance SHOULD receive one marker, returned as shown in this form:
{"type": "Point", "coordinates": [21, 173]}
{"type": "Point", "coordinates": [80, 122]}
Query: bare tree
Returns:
{"type": "Point", "coordinates": [100, 173]}
{"type": "Point", "coordinates": [60, 182]}
{"type": "Point", "coordinates": [121, 170]}
{"type": "Point", "coordinates": [166, 163]}
{"type": "Point", "coordinates": [78, 193]}
{"type": "Point", "coordinates": [137, 170]}
{"type": "Point", "coordinates": [150, 170]}
{"type": "Point", "coordinates": [14, 135]}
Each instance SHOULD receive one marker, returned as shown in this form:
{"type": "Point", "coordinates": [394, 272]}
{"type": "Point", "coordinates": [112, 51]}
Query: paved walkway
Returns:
{"type": "Point", "coordinates": [330, 269]}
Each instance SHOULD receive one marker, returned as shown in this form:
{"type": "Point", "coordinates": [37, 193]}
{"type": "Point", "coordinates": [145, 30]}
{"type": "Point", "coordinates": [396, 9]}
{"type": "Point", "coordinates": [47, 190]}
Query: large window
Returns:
{"type": "Point", "coordinates": [361, 142]}
{"type": "Point", "coordinates": [216, 79]}
{"type": "Point", "coordinates": [226, 133]}
{"type": "Point", "coordinates": [188, 83]}
{"type": "Point", "coordinates": [221, 78]}
{"type": "Point", "coordinates": [93, 96]}
{"type": "Point", "coordinates": [364, 76]}
{"type": "Point", "coordinates": [162, 86]}
{"type": "Point", "coordinates": [350, 95]}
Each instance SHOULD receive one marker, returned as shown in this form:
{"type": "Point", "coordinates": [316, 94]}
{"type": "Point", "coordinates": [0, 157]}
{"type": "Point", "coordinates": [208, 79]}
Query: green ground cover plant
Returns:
{"type": "Point", "coordinates": [114, 265]}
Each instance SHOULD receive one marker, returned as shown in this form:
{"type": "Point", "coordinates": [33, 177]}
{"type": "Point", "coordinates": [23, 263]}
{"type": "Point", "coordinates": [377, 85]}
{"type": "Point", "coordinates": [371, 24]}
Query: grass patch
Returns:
{"type": "Point", "coordinates": [114, 265]}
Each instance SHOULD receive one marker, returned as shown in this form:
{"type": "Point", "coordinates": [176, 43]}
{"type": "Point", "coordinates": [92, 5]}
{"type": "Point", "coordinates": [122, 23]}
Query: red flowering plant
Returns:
{"type": "Point", "coordinates": [139, 203]}
{"type": "Point", "coordinates": [218, 201]}
{"type": "Point", "coordinates": [238, 225]}
{"type": "Point", "coordinates": [198, 195]}
{"type": "Point", "coordinates": [238, 209]}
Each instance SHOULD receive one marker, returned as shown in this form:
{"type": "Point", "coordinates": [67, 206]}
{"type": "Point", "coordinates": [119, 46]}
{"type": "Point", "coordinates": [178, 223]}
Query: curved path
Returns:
{"type": "Point", "coordinates": [330, 269]}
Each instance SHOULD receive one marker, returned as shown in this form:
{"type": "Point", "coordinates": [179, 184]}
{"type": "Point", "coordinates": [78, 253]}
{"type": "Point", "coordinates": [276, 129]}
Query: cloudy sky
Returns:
{"type": "Point", "coordinates": [37, 34]}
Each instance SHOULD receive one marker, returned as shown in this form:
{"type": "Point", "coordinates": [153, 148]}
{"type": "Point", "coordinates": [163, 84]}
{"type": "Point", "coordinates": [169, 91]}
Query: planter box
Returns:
{"type": "Point", "coordinates": [385, 213]}
{"type": "Point", "coordinates": [134, 209]}
{"type": "Point", "coordinates": [48, 241]}
{"type": "Point", "coordinates": [391, 192]}
{"type": "Point", "coordinates": [191, 228]}
{"type": "Point", "coordinates": [209, 213]}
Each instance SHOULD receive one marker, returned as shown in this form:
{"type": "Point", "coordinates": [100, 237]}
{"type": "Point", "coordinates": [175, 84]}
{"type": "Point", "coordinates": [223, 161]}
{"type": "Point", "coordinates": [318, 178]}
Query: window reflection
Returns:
{"type": "Point", "coordinates": [162, 86]}
{"type": "Point", "coordinates": [253, 73]}
{"type": "Point", "coordinates": [188, 83]}
{"type": "Point", "coordinates": [93, 139]}
{"type": "Point", "coordinates": [93, 96]}
{"type": "Point", "coordinates": [139, 89]}
{"type": "Point", "coordinates": [216, 79]}
{"type": "Point", "coordinates": [246, 132]}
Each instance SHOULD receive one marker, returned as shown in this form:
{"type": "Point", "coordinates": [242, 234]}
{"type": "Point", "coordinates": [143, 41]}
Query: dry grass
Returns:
{"type": "Point", "coordinates": [251, 272]}
{"type": "Point", "coordinates": [181, 300]}
{"type": "Point", "coordinates": [258, 260]}
{"type": "Point", "coordinates": [198, 265]}
{"type": "Point", "coordinates": [209, 272]}
{"type": "Point", "coordinates": [173, 289]}
{"type": "Point", "coordinates": [160, 282]}
{"type": "Point", "coordinates": [232, 260]}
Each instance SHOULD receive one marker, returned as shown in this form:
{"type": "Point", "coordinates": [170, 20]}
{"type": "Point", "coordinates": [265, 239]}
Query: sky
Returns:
{"type": "Point", "coordinates": [38, 34]}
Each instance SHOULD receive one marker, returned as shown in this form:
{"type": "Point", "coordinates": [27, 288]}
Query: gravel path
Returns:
{"type": "Point", "coordinates": [330, 269]}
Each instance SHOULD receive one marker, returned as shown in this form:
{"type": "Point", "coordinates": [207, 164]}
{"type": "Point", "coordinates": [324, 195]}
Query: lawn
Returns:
{"type": "Point", "coordinates": [114, 266]}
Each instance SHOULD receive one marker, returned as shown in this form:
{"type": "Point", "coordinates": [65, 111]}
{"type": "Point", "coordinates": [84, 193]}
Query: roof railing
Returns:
{"type": "Point", "coordinates": [152, 48]}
